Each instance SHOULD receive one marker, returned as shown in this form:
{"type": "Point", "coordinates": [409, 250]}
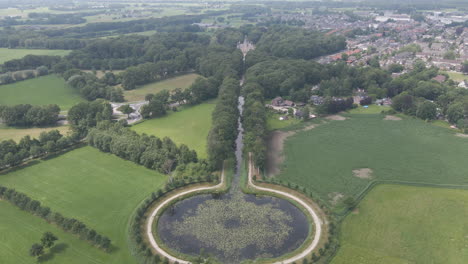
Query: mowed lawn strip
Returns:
{"type": "Point", "coordinates": [189, 126]}
{"type": "Point", "coordinates": [10, 54]}
{"type": "Point", "coordinates": [18, 133]}
{"type": "Point", "coordinates": [96, 188]}
{"type": "Point", "coordinates": [50, 89]}
{"type": "Point", "coordinates": [323, 159]}
{"type": "Point", "coordinates": [19, 230]}
{"type": "Point", "coordinates": [183, 81]}
{"type": "Point", "coordinates": [405, 224]}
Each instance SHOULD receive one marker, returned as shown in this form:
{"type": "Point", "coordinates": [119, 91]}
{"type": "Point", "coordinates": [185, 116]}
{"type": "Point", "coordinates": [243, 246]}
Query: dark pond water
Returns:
{"type": "Point", "coordinates": [189, 244]}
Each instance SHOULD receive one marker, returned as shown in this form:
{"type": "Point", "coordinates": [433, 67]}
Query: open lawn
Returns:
{"type": "Point", "coordinates": [457, 76]}
{"type": "Point", "coordinates": [409, 150]}
{"type": "Point", "coordinates": [401, 224]}
{"type": "Point", "coordinates": [10, 54]}
{"type": "Point", "coordinates": [50, 89]}
{"type": "Point", "coordinates": [371, 109]}
{"type": "Point", "coordinates": [20, 230]}
{"type": "Point", "coordinates": [274, 123]}
{"type": "Point", "coordinates": [183, 81]}
{"type": "Point", "coordinates": [17, 133]}
{"type": "Point", "coordinates": [99, 189]}
{"type": "Point", "coordinates": [190, 126]}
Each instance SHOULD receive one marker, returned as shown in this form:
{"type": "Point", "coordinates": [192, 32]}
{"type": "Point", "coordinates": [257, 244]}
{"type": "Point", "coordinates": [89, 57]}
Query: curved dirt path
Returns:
{"type": "Point", "coordinates": [317, 221]}
{"type": "Point", "coordinates": [149, 223]}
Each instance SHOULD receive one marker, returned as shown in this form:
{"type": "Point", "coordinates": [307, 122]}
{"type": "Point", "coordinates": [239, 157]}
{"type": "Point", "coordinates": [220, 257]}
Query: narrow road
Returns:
{"type": "Point", "coordinates": [317, 221]}
{"type": "Point", "coordinates": [157, 210]}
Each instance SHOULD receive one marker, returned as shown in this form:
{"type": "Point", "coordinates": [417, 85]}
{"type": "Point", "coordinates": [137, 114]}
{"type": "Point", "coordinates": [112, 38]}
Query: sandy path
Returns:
{"type": "Point", "coordinates": [157, 210]}
{"type": "Point", "coordinates": [317, 221]}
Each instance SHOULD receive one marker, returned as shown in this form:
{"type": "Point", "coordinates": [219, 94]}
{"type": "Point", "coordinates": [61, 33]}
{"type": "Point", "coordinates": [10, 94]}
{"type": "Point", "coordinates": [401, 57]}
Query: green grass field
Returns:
{"type": "Point", "coordinates": [400, 224]}
{"type": "Point", "coordinates": [189, 126]}
{"type": "Point", "coordinates": [99, 189]}
{"type": "Point", "coordinates": [18, 133]}
{"type": "Point", "coordinates": [372, 109]}
{"type": "Point", "coordinates": [10, 54]}
{"type": "Point", "coordinates": [274, 123]}
{"type": "Point", "coordinates": [20, 230]}
{"type": "Point", "coordinates": [183, 81]}
{"type": "Point", "coordinates": [456, 76]}
{"type": "Point", "coordinates": [410, 150]}
{"type": "Point", "coordinates": [50, 89]}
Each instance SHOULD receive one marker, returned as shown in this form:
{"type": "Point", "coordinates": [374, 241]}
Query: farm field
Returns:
{"type": "Point", "coordinates": [409, 150]}
{"type": "Point", "coordinates": [189, 126]}
{"type": "Point", "coordinates": [17, 133]}
{"type": "Point", "coordinates": [97, 188]}
{"type": "Point", "coordinates": [183, 81]}
{"type": "Point", "coordinates": [10, 54]}
{"type": "Point", "coordinates": [406, 224]}
{"type": "Point", "coordinates": [50, 89]}
{"type": "Point", "coordinates": [21, 229]}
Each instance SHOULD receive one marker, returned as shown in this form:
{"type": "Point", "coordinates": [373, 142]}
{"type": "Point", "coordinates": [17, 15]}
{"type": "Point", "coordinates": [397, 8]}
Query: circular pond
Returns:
{"type": "Point", "coordinates": [233, 227]}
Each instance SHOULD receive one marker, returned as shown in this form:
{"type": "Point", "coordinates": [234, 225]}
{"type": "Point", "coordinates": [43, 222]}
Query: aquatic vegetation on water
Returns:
{"type": "Point", "coordinates": [231, 225]}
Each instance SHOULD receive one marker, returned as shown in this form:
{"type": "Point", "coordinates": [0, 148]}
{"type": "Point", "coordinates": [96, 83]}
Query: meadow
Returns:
{"type": "Point", "coordinates": [189, 126]}
{"type": "Point", "coordinates": [183, 81]}
{"type": "Point", "coordinates": [50, 89]}
{"type": "Point", "coordinates": [405, 224]}
{"type": "Point", "coordinates": [456, 76]}
{"type": "Point", "coordinates": [273, 122]}
{"type": "Point", "coordinates": [18, 133]}
{"type": "Point", "coordinates": [99, 189]}
{"type": "Point", "coordinates": [10, 54]}
{"type": "Point", "coordinates": [409, 150]}
{"type": "Point", "coordinates": [21, 229]}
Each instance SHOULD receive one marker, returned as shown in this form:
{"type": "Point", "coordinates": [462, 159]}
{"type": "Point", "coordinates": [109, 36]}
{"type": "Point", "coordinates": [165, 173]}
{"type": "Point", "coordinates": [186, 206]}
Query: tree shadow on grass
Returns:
{"type": "Point", "coordinates": [59, 248]}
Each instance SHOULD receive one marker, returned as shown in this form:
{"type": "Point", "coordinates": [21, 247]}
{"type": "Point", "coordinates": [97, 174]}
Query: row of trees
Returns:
{"type": "Point", "coordinates": [200, 90]}
{"type": "Point", "coordinates": [29, 115]}
{"type": "Point", "coordinates": [71, 225]}
{"type": "Point", "coordinates": [254, 122]}
{"type": "Point", "coordinates": [161, 155]}
{"type": "Point", "coordinates": [30, 62]}
{"type": "Point", "coordinates": [223, 133]}
{"type": "Point", "coordinates": [13, 154]}
{"type": "Point", "coordinates": [11, 77]}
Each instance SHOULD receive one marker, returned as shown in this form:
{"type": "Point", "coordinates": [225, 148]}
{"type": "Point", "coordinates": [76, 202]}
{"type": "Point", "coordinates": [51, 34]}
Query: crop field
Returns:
{"type": "Point", "coordinates": [190, 126]}
{"type": "Point", "coordinates": [96, 188]}
{"type": "Point", "coordinates": [409, 150]}
{"type": "Point", "coordinates": [17, 133]}
{"type": "Point", "coordinates": [406, 224]}
{"type": "Point", "coordinates": [50, 89]}
{"type": "Point", "coordinates": [183, 81]}
{"type": "Point", "coordinates": [21, 229]}
{"type": "Point", "coordinates": [10, 54]}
